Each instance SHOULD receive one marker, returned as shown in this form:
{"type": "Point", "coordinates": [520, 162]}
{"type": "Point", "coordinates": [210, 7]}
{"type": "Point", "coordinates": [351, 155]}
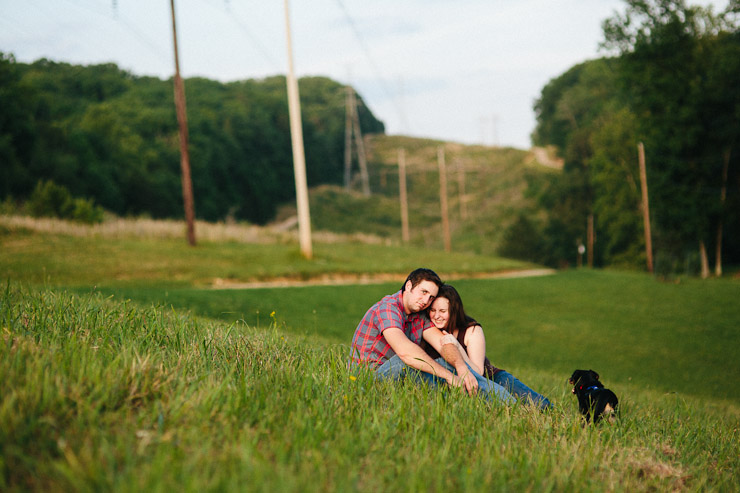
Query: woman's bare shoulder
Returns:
{"type": "Point", "coordinates": [474, 328]}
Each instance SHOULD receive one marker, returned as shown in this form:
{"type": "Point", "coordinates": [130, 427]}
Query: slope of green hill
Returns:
{"type": "Point", "coordinates": [486, 193]}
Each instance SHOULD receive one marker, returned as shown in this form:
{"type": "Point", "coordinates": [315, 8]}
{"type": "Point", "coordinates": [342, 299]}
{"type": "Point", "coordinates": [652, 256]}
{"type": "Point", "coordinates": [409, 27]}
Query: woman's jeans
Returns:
{"type": "Point", "coordinates": [503, 387]}
{"type": "Point", "coordinates": [396, 369]}
{"type": "Point", "coordinates": [519, 390]}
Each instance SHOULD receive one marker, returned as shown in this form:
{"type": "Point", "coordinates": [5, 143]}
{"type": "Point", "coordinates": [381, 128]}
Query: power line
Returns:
{"type": "Point", "coordinates": [122, 20]}
{"type": "Point", "coordinates": [373, 65]}
{"type": "Point", "coordinates": [248, 33]}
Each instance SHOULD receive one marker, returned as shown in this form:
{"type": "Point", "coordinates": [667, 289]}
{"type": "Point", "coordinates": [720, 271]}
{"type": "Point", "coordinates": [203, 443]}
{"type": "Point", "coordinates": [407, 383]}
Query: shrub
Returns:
{"type": "Point", "coordinates": [523, 241]}
{"type": "Point", "coordinates": [51, 200]}
{"type": "Point", "coordinates": [8, 206]}
{"type": "Point", "coordinates": [85, 210]}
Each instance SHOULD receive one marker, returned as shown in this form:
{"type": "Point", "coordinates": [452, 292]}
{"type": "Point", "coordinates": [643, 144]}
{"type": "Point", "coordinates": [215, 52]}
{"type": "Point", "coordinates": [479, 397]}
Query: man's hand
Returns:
{"type": "Point", "coordinates": [467, 380]}
{"type": "Point", "coordinates": [452, 354]}
{"type": "Point", "coordinates": [471, 384]}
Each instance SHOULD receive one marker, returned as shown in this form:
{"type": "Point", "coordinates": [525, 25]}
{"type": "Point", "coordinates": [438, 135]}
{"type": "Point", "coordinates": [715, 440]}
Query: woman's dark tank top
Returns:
{"type": "Point", "coordinates": [488, 369]}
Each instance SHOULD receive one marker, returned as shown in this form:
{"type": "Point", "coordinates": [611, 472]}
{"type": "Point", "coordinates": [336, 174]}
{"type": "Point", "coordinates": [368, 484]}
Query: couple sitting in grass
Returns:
{"type": "Point", "coordinates": [424, 327]}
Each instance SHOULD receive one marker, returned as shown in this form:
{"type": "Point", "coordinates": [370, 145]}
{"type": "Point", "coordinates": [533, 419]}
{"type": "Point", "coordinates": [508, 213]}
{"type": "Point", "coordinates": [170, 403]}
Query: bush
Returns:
{"type": "Point", "coordinates": [51, 200]}
{"type": "Point", "coordinates": [85, 210]}
{"type": "Point", "coordinates": [523, 241]}
{"type": "Point", "coordinates": [8, 206]}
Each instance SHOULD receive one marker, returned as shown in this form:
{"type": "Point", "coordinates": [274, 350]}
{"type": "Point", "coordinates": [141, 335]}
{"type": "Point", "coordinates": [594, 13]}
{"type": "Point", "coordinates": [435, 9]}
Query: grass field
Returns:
{"type": "Point", "coordinates": [132, 259]}
{"type": "Point", "coordinates": [159, 382]}
{"type": "Point", "coordinates": [625, 325]}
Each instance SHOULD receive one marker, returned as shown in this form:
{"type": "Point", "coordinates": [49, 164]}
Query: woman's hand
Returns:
{"type": "Point", "coordinates": [448, 339]}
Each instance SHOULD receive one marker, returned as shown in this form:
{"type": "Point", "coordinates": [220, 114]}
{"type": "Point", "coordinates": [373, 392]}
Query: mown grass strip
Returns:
{"type": "Point", "coordinates": [66, 260]}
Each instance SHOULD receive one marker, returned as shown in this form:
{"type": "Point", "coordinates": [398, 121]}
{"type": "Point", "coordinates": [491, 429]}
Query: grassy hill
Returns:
{"type": "Point", "coordinates": [98, 394]}
{"type": "Point", "coordinates": [486, 190]}
{"type": "Point", "coordinates": [123, 369]}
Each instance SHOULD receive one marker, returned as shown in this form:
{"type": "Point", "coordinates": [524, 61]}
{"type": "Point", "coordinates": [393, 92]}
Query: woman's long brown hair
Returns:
{"type": "Point", "coordinates": [458, 319]}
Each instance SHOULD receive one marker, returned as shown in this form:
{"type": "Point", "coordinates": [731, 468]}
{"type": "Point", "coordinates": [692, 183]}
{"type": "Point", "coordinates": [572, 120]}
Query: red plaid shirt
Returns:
{"type": "Point", "coordinates": [368, 344]}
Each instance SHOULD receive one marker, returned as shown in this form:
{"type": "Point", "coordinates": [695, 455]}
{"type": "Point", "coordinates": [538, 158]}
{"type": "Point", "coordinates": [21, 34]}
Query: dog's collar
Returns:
{"type": "Point", "coordinates": [587, 389]}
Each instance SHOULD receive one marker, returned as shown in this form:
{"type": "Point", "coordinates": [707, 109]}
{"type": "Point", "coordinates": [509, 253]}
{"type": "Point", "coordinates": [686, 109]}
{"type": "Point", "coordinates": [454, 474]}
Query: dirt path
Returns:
{"type": "Point", "coordinates": [348, 279]}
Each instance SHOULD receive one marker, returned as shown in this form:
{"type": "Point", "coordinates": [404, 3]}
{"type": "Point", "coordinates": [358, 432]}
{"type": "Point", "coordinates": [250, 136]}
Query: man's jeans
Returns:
{"type": "Point", "coordinates": [395, 369]}
{"type": "Point", "coordinates": [503, 387]}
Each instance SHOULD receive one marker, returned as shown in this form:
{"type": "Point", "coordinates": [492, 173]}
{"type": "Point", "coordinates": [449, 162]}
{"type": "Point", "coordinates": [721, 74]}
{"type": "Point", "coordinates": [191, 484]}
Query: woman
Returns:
{"type": "Point", "coordinates": [448, 315]}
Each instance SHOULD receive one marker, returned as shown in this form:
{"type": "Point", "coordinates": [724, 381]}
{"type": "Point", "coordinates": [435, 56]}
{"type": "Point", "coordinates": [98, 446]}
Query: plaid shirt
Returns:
{"type": "Point", "coordinates": [368, 344]}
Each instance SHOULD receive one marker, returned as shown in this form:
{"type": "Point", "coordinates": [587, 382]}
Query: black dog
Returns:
{"type": "Point", "coordinates": [592, 396]}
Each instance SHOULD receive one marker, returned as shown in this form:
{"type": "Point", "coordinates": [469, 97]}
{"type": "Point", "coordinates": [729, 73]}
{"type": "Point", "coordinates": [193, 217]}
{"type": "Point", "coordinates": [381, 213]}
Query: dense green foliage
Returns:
{"type": "Point", "coordinates": [111, 136]}
{"type": "Point", "coordinates": [675, 86]}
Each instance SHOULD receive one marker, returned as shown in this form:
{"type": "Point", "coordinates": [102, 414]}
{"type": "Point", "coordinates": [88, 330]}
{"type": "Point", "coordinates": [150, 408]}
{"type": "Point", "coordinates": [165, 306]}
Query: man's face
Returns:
{"type": "Point", "coordinates": [420, 297]}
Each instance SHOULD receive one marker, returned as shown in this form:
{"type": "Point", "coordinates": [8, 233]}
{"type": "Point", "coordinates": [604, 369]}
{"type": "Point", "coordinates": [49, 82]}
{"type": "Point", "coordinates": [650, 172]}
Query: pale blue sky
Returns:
{"type": "Point", "coordinates": [467, 71]}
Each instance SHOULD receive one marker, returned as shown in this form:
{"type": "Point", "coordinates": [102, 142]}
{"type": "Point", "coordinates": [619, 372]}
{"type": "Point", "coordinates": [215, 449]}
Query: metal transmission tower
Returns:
{"type": "Point", "coordinates": [352, 127]}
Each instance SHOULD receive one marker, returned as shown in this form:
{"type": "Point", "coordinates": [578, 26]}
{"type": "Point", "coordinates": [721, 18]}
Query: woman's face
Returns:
{"type": "Point", "coordinates": [439, 312]}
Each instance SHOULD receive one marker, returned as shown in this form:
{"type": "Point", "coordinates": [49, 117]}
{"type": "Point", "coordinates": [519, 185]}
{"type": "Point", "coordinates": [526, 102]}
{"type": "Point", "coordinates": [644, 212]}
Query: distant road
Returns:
{"type": "Point", "coordinates": [350, 279]}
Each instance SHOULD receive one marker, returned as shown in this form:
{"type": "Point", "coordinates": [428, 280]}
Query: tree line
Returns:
{"type": "Point", "coordinates": [111, 137]}
{"type": "Point", "coordinates": [672, 84]}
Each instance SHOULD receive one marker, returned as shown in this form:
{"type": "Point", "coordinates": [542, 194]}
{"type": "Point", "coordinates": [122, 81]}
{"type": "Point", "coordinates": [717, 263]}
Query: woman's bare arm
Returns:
{"type": "Point", "coordinates": [475, 340]}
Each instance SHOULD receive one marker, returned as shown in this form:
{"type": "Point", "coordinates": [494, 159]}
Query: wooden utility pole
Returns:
{"type": "Point", "coordinates": [182, 120]}
{"type": "Point", "coordinates": [461, 191]}
{"type": "Point", "coordinates": [645, 207]}
{"type": "Point", "coordinates": [299, 158]}
{"type": "Point", "coordinates": [403, 196]}
{"type": "Point", "coordinates": [443, 198]}
{"type": "Point", "coordinates": [590, 239]}
{"type": "Point", "coordinates": [722, 199]}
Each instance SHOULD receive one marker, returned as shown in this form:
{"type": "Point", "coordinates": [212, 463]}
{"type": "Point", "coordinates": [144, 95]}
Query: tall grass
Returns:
{"type": "Point", "coordinates": [669, 337]}
{"type": "Point", "coordinates": [145, 228]}
{"type": "Point", "coordinates": [97, 394]}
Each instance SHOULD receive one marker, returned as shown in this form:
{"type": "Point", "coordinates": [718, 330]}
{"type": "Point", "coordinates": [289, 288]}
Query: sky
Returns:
{"type": "Point", "coordinates": [467, 71]}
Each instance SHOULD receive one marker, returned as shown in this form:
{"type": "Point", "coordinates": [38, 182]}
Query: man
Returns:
{"type": "Point", "coordinates": [388, 337]}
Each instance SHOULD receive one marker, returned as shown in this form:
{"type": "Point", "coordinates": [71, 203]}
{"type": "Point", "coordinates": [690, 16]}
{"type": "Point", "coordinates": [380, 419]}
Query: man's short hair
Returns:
{"type": "Point", "coordinates": [422, 275]}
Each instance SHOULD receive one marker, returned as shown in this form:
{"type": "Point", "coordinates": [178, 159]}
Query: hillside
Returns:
{"type": "Point", "coordinates": [486, 188]}
{"type": "Point", "coordinates": [111, 136]}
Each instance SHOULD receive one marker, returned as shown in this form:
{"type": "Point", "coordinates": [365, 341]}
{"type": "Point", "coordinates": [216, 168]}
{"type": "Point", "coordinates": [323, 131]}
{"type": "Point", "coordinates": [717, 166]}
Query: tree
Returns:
{"type": "Point", "coordinates": [17, 131]}
{"type": "Point", "coordinates": [679, 71]}
{"type": "Point", "coordinates": [572, 109]}
{"type": "Point", "coordinates": [674, 84]}
{"type": "Point", "coordinates": [103, 133]}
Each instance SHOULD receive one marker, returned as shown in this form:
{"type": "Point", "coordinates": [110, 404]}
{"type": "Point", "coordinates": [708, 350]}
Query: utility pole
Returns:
{"type": "Point", "coordinates": [352, 125]}
{"type": "Point", "coordinates": [645, 207]}
{"type": "Point", "coordinates": [443, 198]}
{"type": "Point", "coordinates": [182, 120]}
{"type": "Point", "coordinates": [299, 158]}
{"type": "Point", "coordinates": [360, 148]}
{"type": "Point", "coordinates": [403, 196]}
{"type": "Point", "coordinates": [461, 191]}
{"type": "Point", "coordinates": [348, 121]}
{"type": "Point", "coordinates": [722, 199]}
{"type": "Point", "coordinates": [590, 240]}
